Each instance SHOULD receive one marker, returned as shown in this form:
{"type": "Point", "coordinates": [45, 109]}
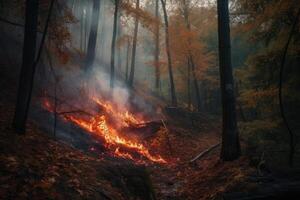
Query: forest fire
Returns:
{"type": "Point", "coordinates": [115, 141]}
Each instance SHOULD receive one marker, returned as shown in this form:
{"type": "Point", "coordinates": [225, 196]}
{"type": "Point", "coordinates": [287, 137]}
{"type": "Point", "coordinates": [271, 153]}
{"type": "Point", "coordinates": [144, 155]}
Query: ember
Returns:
{"type": "Point", "coordinates": [98, 126]}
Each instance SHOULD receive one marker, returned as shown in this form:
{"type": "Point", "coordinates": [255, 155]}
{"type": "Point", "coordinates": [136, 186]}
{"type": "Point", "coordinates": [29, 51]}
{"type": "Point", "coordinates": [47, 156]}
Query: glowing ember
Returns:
{"type": "Point", "coordinates": [98, 126]}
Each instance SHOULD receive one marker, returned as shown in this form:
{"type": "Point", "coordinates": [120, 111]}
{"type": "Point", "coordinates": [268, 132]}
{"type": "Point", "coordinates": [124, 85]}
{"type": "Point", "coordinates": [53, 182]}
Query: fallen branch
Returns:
{"type": "Point", "coordinates": [203, 153]}
{"type": "Point", "coordinates": [75, 112]}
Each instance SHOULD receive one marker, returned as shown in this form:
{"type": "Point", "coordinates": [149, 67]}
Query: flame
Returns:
{"type": "Point", "coordinates": [98, 126]}
{"type": "Point", "coordinates": [126, 118]}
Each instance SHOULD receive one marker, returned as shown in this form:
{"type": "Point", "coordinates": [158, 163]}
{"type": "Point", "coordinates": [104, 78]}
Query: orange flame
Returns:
{"type": "Point", "coordinates": [98, 126]}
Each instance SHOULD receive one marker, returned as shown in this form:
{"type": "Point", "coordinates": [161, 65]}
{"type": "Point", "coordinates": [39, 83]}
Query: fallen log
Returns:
{"type": "Point", "coordinates": [144, 130]}
{"type": "Point", "coordinates": [203, 153]}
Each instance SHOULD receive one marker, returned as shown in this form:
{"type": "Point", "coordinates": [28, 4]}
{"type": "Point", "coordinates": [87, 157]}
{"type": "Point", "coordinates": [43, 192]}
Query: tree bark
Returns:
{"type": "Point", "coordinates": [156, 55]}
{"type": "Point", "coordinates": [136, 28]}
{"type": "Point", "coordinates": [230, 136]}
{"type": "Point", "coordinates": [27, 70]}
{"type": "Point", "coordinates": [113, 45]}
{"type": "Point", "coordinates": [168, 51]}
{"type": "Point", "coordinates": [91, 47]}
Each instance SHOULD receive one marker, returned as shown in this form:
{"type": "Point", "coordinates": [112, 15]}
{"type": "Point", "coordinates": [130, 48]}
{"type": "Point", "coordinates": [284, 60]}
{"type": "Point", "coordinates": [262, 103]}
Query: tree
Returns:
{"type": "Point", "coordinates": [168, 51]}
{"type": "Point", "coordinates": [191, 62]}
{"type": "Point", "coordinates": [128, 41]}
{"type": "Point", "coordinates": [28, 67]}
{"type": "Point", "coordinates": [134, 42]}
{"type": "Point", "coordinates": [113, 45]}
{"type": "Point", "coordinates": [156, 54]}
{"type": "Point", "coordinates": [119, 34]}
{"type": "Point", "coordinates": [91, 48]}
{"type": "Point", "coordinates": [230, 136]}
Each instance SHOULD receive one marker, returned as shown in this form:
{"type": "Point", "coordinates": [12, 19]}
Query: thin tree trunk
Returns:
{"type": "Point", "coordinates": [27, 70]}
{"type": "Point", "coordinates": [172, 85]}
{"type": "Point", "coordinates": [119, 33]}
{"type": "Point", "coordinates": [190, 55]}
{"type": "Point", "coordinates": [156, 56]}
{"type": "Point", "coordinates": [127, 59]}
{"type": "Point", "coordinates": [136, 28]}
{"type": "Point", "coordinates": [103, 31]}
{"type": "Point", "coordinates": [281, 106]}
{"type": "Point", "coordinates": [230, 136]}
{"type": "Point", "coordinates": [81, 29]}
{"type": "Point", "coordinates": [113, 45]}
{"type": "Point", "coordinates": [86, 26]}
{"type": "Point", "coordinates": [189, 84]}
{"type": "Point", "coordinates": [91, 48]}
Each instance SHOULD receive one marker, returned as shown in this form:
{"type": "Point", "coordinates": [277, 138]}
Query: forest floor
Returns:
{"type": "Point", "coordinates": [37, 166]}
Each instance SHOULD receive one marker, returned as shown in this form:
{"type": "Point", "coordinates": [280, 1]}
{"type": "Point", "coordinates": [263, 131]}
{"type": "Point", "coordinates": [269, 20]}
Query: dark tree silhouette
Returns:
{"type": "Point", "coordinates": [27, 70]}
{"type": "Point", "coordinates": [113, 45]}
{"type": "Point", "coordinates": [170, 68]}
{"type": "Point", "coordinates": [91, 48]}
{"type": "Point", "coordinates": [29, 62]}
{"type": "Point", "coordinates": [127, 58]}
{"type": "Point", "coordinates": [119, 34]}
{"type": "Point", "coordinates": [136, 28]}
{"type": "Point", "coordinates": [230, 136]}
{"type": "Point", "coordinates": [156, 54]}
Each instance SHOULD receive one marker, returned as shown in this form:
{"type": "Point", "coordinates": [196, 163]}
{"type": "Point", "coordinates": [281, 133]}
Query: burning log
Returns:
{"type": "Point", "coordinates": [143, 130]}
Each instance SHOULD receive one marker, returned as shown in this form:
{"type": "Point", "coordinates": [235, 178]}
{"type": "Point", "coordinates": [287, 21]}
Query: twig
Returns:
{"type": "Point", "coordinates": [203, 153]}
{"type": "Point", "coordinates": [168, 139]}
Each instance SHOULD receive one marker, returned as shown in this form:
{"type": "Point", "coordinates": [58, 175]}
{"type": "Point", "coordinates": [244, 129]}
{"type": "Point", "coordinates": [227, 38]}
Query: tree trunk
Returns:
{"type": "Point", "coordinates": [81, 31]}
{"type": "Point", "coordinates": [230, 136]}
{"type": "Point", "coordinates": [27, 70]}
{"type": "Point", "coordinates": [156, 55]}
{"type": "Point", "coordinates": [119, 33]}
{"type": "Point", "coordinates": [91, 47]}
{"type": "Point", "coordinates": [113, 45]}
{"type": "Point", "coordinates": [136, 28]}
{"type": "Point", "coordinates": [127, 59]}
{"type": "Point", "coordinates": [86, 20]}
{"type": "Point", "coordinates": [103, 33]}
{"type": "Point", "coordinates": [172, 85]}
{"type": "Point", "coordinates": [189, 84]}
